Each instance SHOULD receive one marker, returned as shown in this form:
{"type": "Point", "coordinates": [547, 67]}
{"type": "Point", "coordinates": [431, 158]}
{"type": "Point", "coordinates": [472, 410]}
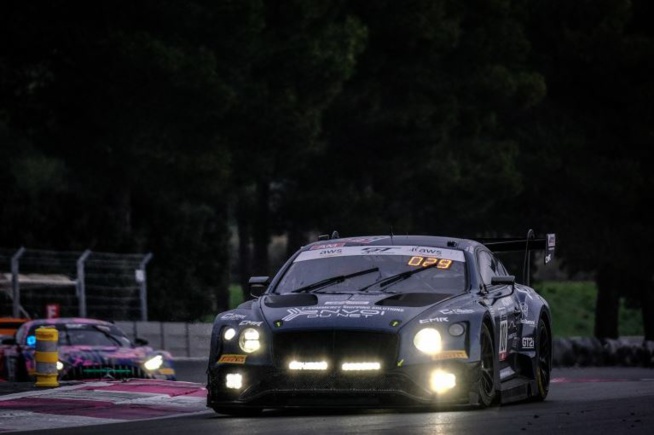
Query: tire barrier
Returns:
{"type": "Point", "coordinates": [46, 356]}
{"type": "Point", "coordinates": [595, 352]}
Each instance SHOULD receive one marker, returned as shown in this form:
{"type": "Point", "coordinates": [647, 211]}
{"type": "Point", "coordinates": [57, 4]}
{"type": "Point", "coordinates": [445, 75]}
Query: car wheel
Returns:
{"type": "Point", "coordinates": [20, 370]}
{"type": "Point", "coordinates": [543, 361]}
{"type": "Point", "coordinates": [486, 388]}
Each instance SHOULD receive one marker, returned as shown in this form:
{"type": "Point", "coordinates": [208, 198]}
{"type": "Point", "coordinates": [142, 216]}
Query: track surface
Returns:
{"type": "Point", "coordinates": [582, 401]}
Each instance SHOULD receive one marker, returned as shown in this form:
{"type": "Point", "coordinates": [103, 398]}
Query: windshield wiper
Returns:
{"type": "Point", "coordinates": [107, 334]}
{"type": "Point", "coordinates": [398, 277]}
{"type": "Point", "coordinates": [333, 280]}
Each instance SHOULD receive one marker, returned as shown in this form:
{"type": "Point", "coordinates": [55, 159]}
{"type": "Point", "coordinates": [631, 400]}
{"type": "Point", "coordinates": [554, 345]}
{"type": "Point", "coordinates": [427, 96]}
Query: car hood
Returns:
{"type": "Point", "coordinates": [101, 354]}
{"type": "Point", "coordinates": [358, 311]}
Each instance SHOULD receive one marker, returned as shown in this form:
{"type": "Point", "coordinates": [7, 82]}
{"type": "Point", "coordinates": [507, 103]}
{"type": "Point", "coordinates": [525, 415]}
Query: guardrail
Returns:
{"type": "Point", "coordinates": [180, 339]}
{"type": "Point", "coordinates": [192, 340]}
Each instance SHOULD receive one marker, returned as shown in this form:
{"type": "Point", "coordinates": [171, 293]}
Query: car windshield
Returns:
{"type": "Point", "coordinates": [392, 269]}
{"type": "Point", "coordinates": [74, 334]}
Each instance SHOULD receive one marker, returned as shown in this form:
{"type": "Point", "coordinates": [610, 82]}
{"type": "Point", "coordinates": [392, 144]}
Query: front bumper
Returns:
{"type": "Point", "coordinates": [273, 387]}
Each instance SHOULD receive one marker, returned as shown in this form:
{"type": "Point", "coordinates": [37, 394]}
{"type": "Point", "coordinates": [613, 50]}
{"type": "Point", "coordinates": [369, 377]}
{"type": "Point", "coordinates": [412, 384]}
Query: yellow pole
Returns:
{"type": "Point", "coordinates": [46, 357]}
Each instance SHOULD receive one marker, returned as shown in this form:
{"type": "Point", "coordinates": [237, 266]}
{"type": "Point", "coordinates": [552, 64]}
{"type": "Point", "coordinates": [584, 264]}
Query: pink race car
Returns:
{"type": "Point", "coordinates": [87, 349]}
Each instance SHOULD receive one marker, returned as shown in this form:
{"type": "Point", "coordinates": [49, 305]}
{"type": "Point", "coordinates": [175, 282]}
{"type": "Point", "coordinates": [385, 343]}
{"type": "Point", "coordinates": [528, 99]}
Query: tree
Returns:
{"type": "Point", "coordinates": [296, 64]}
{"type": "Point", "coordinates": [593, 126]}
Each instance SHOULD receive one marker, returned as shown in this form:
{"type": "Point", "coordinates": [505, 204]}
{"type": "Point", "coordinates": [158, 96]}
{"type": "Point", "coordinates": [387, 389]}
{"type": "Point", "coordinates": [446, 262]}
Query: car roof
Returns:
{"type": "Point", "coordinates": [63, 320]}
{"type": "Point", "coordinates": [385, 240]}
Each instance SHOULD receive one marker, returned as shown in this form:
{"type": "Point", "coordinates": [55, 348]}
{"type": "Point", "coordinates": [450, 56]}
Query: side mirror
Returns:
{"type": "Point", "coordinates": [503, 280]}
{"type": "Point", "coordinates": [258, 285]}
{"type": "Point", "coordinates": [140, 341]}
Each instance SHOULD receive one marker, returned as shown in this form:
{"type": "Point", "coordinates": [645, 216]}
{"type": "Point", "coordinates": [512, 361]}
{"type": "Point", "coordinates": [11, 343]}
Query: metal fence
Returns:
{"type": "Point", "coordinates": [39, 283]}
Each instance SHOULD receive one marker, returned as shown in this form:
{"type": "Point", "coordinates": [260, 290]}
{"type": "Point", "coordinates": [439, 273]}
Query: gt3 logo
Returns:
{"type": "Point", "coordinates": [528, 342]}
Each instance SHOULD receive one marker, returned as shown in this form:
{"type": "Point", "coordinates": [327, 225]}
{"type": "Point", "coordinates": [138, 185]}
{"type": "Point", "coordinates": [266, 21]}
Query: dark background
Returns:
{"type": "Point", "coordinates": [202, 131]}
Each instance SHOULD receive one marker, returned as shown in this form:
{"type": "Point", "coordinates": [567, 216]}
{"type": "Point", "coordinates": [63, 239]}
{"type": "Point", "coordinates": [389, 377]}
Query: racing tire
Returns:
{"type": "Point", "coordinates": [543, 367]}
{"type": "Point", "coordinates": [20, 370]}
{"type": "Point", "coordinates": [486, 387]}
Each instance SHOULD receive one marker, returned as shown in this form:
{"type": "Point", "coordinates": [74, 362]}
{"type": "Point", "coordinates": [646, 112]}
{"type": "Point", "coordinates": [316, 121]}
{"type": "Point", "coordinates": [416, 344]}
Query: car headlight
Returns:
{"type": "Point", "coordinates": [229, 333]}
{"type": "Point", "coordinates": [428, 340]}
{"type": "Point", "coordinates": [456, 329]}
{"type": "Point", "coordinates": [249, 340]}
{"type": "Point", "coordinates": [154, 363]}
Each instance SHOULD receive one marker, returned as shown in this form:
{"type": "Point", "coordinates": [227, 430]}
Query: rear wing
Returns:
{"type": "Point", "coordinates": [526, 245]}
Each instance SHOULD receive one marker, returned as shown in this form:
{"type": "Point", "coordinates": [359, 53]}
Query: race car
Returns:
{"type": "Point", "coordinates": [88, 349]}
{"type": "Point", "coordinates": [9, 326]}
{"type": "Point", "coordinates": [385, 321]}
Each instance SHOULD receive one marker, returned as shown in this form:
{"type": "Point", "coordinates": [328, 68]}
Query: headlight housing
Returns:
{"type": "Point", "coordinates": [249, 340]}
{"type": "Point", "coordinates": [153, 363]}
{"type": "Point", "coordinates": [428, 340]}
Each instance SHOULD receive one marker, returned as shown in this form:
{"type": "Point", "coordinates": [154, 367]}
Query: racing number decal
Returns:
{"type": "Point", "coordinates": [504, 332]}
{"type": "Point", "coordinates": [441, 263]}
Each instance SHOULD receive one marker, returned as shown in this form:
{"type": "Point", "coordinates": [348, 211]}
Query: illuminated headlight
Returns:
{"type": "Point", "coordinates": [361, 367]}
{"type": "Point", "coordinates": [308, 365]}
{"type": "Point", "coordinates": [428, 340]}
{"type": "Point", "coordinates": [249, 340]}
{"type": "Point", "coordinates": [442, 381]}
{"type": "Point", "coordinates": [60, 366]}
{"type": "Point", "coordinates": [229, 334]}
{"type": "Point", "coordinates": [153, 363]}
{"type": "Point", "coordinates": [234, 381]}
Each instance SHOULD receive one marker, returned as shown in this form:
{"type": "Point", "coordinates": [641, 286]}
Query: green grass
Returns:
{"type": "Point", "coordinates": [573, 309]}
{"type": "Point", "coordinates": [572, 304]}
{"type": "Point", "coordinates": [235, 295]}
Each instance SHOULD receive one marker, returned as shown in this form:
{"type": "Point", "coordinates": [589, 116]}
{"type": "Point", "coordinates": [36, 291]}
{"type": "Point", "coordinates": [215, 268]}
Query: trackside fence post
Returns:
{"type": "Point", "coordinates": [81, 283]}
{"type": "Point", "coordinates": [15, 287]}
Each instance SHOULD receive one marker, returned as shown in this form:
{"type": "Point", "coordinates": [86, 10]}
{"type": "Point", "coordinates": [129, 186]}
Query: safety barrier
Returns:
{"type": "Point", "coordinates": [46, 357]}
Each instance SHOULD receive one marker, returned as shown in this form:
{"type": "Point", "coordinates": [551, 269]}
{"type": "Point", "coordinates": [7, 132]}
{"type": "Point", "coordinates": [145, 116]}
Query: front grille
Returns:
{"type": "Point", "coordinates": [104, 371]}
{"type": "Point", "coordinates": [335, 347]}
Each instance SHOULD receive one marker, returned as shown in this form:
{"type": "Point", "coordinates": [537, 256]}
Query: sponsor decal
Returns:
{"type": "Point", "coordinates": [450, 354]}
{"type": "Point", "coordinates": [327, 246]}
{"type": "Point", "coordinates": [330, 252]}
{"type": "Point", "coordinates": [528, 322]}
{"type": "Point", "coordinates": [233, 316]}
{"type": "Point", "coordinates": [337, 312]}
{"type": "Point", "coordinates": [251, 323]}
{"type": "Point", "coordinates": [504, 332]}
{"type": "Point", "coordinates": [435, 252]}
{"type": "Point", "coordinates": [379, 250]}
{"type": "Point", "coordinates": [229, 358]}
{"type": "Point", "coordinates": [365, 239]}
{"type": "Point", "coordinates": [458, 311]}
{"type": "Point", "coordinates": [347, 302]}
{"type": "Point", "coordinates": [434, 319]}
{"type": "Point", "coordinates": [345, 251]}
{"type": "Point", "coordinates": [524, 307]}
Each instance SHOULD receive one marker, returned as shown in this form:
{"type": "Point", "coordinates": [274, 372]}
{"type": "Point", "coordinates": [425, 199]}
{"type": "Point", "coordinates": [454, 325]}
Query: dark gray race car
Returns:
{"type": "Point", "coordinates": [385, 321]}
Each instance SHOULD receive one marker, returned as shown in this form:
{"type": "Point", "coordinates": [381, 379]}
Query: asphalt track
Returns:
{"type": "Point", "coordinates": [602, 400]}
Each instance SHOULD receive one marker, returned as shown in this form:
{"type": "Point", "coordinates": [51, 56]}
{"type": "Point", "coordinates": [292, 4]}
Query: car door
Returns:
{"type": "Point", "coordinates": [503, 304]}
